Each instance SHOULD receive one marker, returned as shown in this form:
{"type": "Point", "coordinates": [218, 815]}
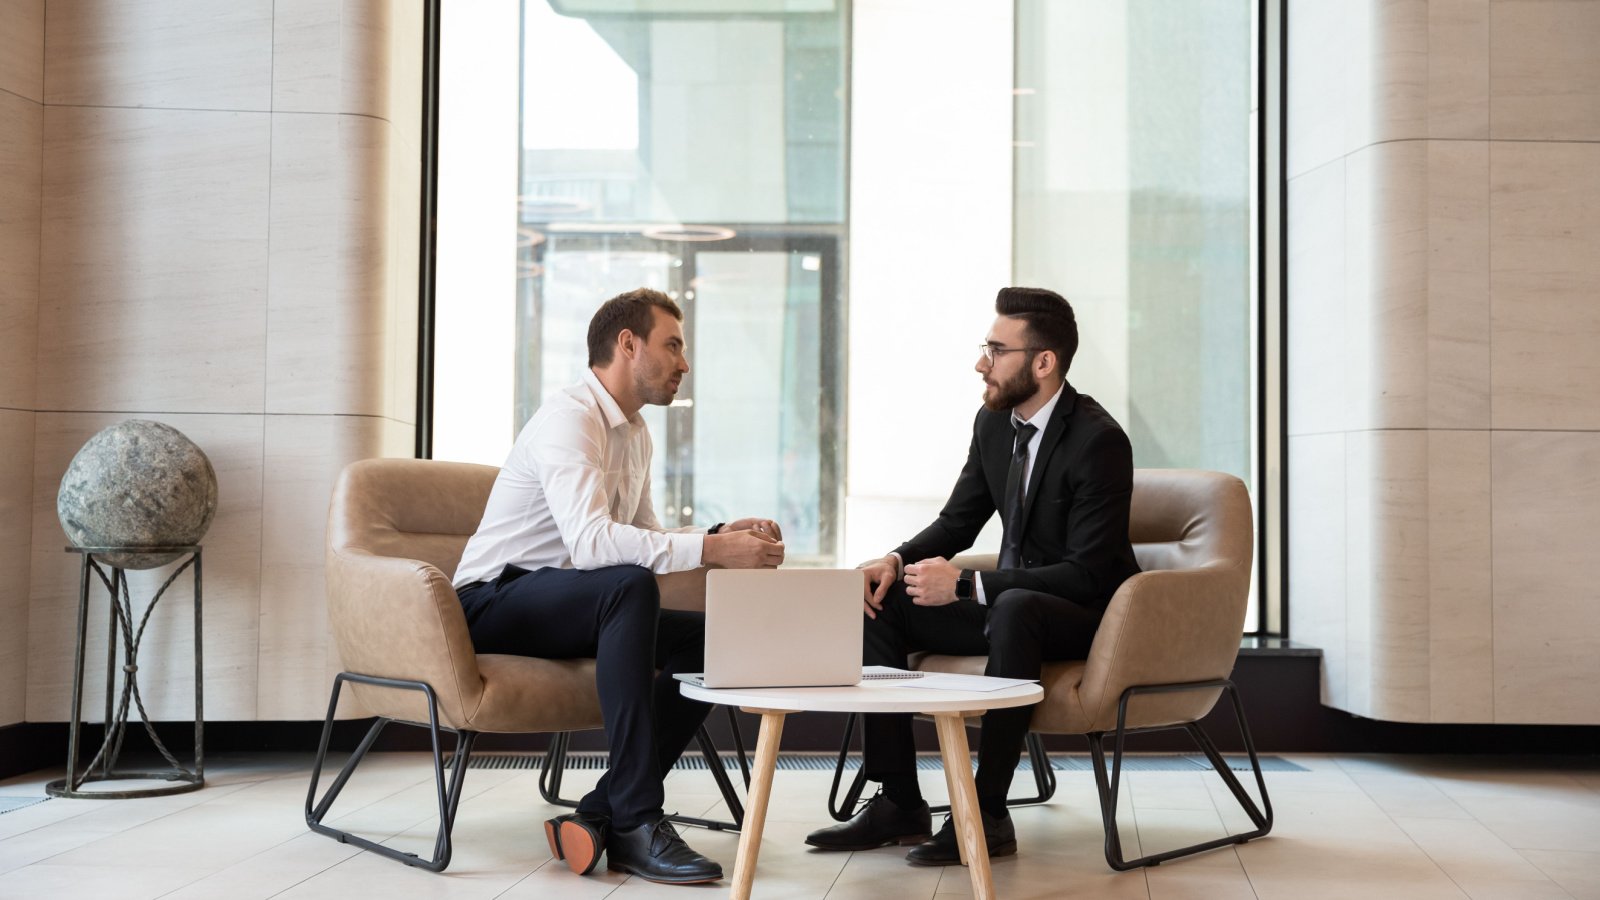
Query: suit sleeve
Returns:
{"type": "Point", "coordinates": [966, 512]}
{"type": "Point", "coordinates": [1096, 529]}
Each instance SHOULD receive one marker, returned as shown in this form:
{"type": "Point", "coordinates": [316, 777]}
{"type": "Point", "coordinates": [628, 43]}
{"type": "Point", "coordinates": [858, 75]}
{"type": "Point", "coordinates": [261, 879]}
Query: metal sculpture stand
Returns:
{"type": "Point", "coordinates": [103, 767]}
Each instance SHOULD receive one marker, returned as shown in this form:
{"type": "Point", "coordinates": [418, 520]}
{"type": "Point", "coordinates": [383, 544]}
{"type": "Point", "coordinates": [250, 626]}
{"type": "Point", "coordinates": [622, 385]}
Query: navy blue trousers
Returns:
{"type": "Point", "coordinates": [1019, 630]}
{"type": "Point", "coordinates": [613, 615]}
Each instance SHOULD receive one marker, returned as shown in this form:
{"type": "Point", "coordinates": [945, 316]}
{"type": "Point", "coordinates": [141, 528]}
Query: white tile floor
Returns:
{"type": "Point", "coordinates": [1351, 826]}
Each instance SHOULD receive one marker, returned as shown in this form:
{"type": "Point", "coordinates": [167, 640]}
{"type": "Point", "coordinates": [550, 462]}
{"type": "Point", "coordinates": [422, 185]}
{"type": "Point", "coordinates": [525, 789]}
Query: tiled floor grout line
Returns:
{"type": "Point", "coordinates": [108, 835]}
{"type": "Point", "coordinates": [1396, 824]}
{"type": "Point", "coordinates": [354, 851]}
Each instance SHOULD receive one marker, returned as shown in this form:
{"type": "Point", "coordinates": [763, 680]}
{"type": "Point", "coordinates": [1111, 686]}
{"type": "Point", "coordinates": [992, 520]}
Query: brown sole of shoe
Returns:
{"type": "Point", "coordinates": [579, 847]}
{"type": "Point", "coordinates": [552, 834]}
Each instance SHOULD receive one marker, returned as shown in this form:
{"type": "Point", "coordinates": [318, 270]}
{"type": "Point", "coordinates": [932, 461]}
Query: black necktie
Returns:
{"type": "Point", "coordinates": [1016, 492]}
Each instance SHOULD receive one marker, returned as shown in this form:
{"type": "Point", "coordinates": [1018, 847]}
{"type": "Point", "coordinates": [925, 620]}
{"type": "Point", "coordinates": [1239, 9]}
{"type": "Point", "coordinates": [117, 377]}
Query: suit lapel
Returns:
{"type": "Point", "coordinates": [1047, 445]}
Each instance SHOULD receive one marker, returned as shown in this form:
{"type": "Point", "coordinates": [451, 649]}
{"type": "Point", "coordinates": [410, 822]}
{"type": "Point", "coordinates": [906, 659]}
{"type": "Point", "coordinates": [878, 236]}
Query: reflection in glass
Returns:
{"type": "Point", "coordinates": [702, 156]}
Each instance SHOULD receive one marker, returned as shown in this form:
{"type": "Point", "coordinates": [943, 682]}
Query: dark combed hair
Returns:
{"type": "Point", "coordinates": [631, 311]}
{"type": "Point", "coordinates": [1051, 324]}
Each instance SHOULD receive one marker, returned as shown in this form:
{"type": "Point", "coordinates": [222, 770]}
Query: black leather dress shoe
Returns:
{"type": "Point", "coordinates": [653, 851]}
{"type": "Point", "coordinates": [577, 839]}
{"type": "Point", "coordinates": [999, 834]}
{"type": "Point", "coordinates": [878, 824]}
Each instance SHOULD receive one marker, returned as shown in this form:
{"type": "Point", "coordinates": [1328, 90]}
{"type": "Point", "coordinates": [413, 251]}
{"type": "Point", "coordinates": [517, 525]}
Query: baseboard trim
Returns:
{"type": "Point", "coordinates": [1279, 692]}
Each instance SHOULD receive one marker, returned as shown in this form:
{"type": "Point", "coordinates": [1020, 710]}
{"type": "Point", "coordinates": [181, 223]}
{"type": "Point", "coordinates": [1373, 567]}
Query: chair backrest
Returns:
{"type": "Point", "coordinates": [396, 530]}
{"type": "Point", "coordinates": [410, 508]}
{"type": "Point", "coordinates": [1189, 519]}
{"type": "Point", "coordinates": [1180, 619]}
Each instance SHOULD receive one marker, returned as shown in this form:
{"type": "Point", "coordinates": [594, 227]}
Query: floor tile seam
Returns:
{"type": "Point", "coordinates": [1424, 850]}
{"type": "Point", "coordinates": [1547, 874]}
{"type": "Point", "coordinates": [529, 874]}
{"type": "Point", "coordinates": [353, 850]}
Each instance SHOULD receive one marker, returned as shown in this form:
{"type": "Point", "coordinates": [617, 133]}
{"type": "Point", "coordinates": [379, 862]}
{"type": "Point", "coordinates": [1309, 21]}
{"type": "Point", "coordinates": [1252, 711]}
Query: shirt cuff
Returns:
{"type": "Point", "coordinates": [899, 563]}
{"type": "Point", "coordinates": [977, 579]}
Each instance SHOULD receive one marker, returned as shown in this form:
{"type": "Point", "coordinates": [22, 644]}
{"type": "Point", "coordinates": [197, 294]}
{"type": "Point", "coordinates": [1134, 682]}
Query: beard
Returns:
{"type": "Point", "coordinates": [655, 386]}
{"type": "Point", "coordinates": [1004, 395]}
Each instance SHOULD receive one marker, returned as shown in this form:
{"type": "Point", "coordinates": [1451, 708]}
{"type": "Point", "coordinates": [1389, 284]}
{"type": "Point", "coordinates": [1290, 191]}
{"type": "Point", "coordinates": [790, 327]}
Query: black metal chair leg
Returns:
{"type": "Point", "coordinates": [448, 797]}
{"type": "Point", "coordinates": [738, 747]}
{"type": "Point", "coordinates": [555, 765]}
{"type": "Point", "coordinates": [1044, 778]}
{"type": "Point", "coordinates": [1109, 785]}
{"type": "Point", "coordinates": [842, 810]}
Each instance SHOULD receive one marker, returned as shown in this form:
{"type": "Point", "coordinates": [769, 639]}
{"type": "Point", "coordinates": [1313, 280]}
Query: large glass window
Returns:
{"type": "Point", "coordinates": [724, 150]}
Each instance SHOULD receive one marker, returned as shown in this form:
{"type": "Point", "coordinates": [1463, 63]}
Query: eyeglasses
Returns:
{"type": "Point", "coordinates": [990, 351]}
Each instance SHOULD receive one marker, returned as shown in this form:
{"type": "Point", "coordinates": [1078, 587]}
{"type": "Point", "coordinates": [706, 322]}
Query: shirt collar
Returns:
{"type": "Point", "coordinates": [606, 402]}
{"type": "Point", "coordinates": [1041, 418]}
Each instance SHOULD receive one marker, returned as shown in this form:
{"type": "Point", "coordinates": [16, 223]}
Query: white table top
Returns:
{"type": "Point", "coordinates": [867, 697]}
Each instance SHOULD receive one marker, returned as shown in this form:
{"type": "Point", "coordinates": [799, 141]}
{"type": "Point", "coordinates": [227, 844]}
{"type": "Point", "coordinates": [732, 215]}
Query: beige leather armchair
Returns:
{"type": "Point", "coordinates": [1165, 649]}
{"type": "Point", "coordinates": [396, 530]}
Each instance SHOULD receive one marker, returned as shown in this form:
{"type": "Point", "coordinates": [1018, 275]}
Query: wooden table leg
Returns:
{"type": "Point", "coordinates": [964, 801]}
{"type": "Point", "coordinates": [755, 807]}
{"type": "Point", "coordinates": [952, 788]}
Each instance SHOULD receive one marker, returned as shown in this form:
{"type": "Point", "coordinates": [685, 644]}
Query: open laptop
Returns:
{"type": "Point", "coordinates": [782, 628]}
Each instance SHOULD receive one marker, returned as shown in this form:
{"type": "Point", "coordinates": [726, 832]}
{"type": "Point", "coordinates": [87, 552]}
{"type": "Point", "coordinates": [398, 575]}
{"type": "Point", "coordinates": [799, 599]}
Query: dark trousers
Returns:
{"type": "Point", "coordinates": [614, 615]}
{"type": "Point", "coordinates": [1024, 629]}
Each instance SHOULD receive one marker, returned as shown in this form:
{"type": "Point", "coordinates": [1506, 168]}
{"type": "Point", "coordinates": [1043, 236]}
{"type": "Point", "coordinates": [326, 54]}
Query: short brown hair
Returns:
{"type": "Point", "coordinates": [629, 311]}
{"type": "Point", "coordinates": [1051, 324]}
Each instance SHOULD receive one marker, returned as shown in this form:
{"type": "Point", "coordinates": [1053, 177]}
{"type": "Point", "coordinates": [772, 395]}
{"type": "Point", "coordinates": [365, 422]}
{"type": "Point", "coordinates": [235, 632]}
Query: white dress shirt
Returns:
{"type": "Point", "coordinates": [1039, 420]}
{"type": "Point", "coordinates": [575, 494]}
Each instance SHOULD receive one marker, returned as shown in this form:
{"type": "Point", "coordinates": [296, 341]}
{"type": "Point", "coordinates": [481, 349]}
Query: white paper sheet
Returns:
{"type": "Point", "coordinates": [944, 681]}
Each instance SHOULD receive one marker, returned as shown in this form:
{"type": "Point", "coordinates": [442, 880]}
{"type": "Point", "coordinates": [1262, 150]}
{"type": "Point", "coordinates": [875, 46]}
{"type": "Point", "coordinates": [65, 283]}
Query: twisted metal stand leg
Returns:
{"type": "Point", "coordinates": [103, 767]}
{"type": "Point", "coordinates": [448, 798]}
{"type": "Point", "coordinates": [1109, 787]}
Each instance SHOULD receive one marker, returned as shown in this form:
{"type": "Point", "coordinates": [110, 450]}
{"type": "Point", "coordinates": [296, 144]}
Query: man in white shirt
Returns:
{"type": "Point", "coordinates": [563, 565]}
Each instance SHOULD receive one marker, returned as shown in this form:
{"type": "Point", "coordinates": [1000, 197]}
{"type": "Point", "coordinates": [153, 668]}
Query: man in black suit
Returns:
{"type": "Point", "coordinates": [1059, 470]}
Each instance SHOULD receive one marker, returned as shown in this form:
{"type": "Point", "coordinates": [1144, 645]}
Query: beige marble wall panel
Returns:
{"type": "Point", "coordinates": [1316, 100]}
{"type": "Point", "coordinates": [1458, 69]}
{"type": "Point", "coordinates": [327, 290]}
{"type": "Point", "coordinates": [175, 54]}
{"type": "Point", "coordinates": [1460, 601]}
{"type": "Point", "coordinates": [1315, 361]}
{"type": "Point", "coordinates": [1458, 388]}
{"type": "Point", "coordinates": [21, 130]}
{"type": "Point", "coordinates": [232, 576]}
{"type": "Point", "coordinates": [304, 455]}
{"type": "Point", "coordinates": [1317, 565]}
{"type": "Point", "coordinates": [1546, 495]}
{"type": "Point", "coordinates": [16, 518]}
{"type": "Point", "coordinates": [1544, 276]}
{"type": "Point", "coordinates": [405, 191]}
{"type": "Point", "coordinates": [22, 48]}
{"type": "Point", "coordinates": [334, 55]}
{"type": "Point", "coordinates": [154, 267]}
{"type": "Point", "coordinates": [1386, 517]}
{"type": "Point", "coordinates": [1386, 82]}
{"type": "Point", "coordinates": [1386, 286]}
{"type": "Point", "coordinates": [1545, 83]}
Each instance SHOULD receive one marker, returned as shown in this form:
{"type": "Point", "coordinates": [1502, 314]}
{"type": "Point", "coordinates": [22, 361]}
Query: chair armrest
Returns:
{"type": "Point", "coordinates": [977, 562]}
{"type": "Point", "coordinates": [684, 590]}
{"type": "Point", "coordinates": [400, 618]}
{"type": "Point", "coordinates": [1165, 627]}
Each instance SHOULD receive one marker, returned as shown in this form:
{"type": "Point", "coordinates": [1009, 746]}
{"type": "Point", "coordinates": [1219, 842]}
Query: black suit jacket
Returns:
{"type": "Point", "coordinates": [1075, 519]}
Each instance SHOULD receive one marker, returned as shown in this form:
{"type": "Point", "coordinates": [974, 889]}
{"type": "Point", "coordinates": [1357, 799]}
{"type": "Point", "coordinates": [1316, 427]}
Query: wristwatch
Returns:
{"type": "Point", "coordinates": [965, 589]}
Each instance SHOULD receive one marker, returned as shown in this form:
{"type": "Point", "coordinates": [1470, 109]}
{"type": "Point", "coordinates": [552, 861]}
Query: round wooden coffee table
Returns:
{"type": "Point", "coordinates": [949, 710]}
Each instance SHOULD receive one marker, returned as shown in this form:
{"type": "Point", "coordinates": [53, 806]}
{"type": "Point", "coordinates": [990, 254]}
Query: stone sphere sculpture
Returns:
{"type": "Point", "coordinates": [138, 484]}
